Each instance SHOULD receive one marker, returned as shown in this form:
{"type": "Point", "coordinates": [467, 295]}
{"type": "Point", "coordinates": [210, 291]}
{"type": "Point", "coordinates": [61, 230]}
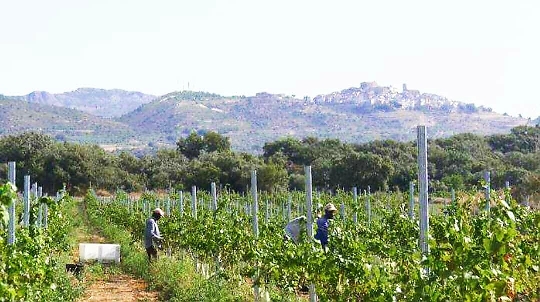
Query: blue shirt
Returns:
{"type": "Point", "coordinates": [151, 232]}
{"type": "Point", "coordinates": [322, 230]}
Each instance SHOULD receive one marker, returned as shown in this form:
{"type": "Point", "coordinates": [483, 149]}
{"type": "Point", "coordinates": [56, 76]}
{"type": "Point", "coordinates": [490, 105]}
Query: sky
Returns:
{"type": "Point", "coordinates": [481, 52]}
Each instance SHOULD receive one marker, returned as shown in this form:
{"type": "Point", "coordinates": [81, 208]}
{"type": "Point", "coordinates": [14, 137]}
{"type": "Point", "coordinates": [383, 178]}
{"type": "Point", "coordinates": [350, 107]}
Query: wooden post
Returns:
{"type": "Point", "coordinates": [45, 215]}
{"type": "Point", "coordinates": [26, 200]}
{"type": "Point", "coordinates": [181, 204]}
{"type": "Point", "coordinates": [267, 211]}
{"type": "Point", "coordinates": [309, 204]}
{"type": "Point", "coordinates": [168, 206]}
{"type": "Point", "coordinates": [309, 201]}
{"type": "Point", "coordinates": [40, 207]}
{"type": "Point", "coordinates": [355, 202]}
{"type": "Point", "coordinates": [368, 205]}
{"type": "Point", "coordinates": [423, 189]}
{"type": "Point", "coordinates": [289, 207]}
{"type": "Point", "coordinates": [194, 202]}
{"type": "Point", "coordinates": [255, 225]}
{"type": "Point", "coordinates": [214, 196]}
{"type": "Point", "coordinates": [411, 200]}
{"type": "Point", "coordinates": [487, 179]}
{"type": "Point", "coordinates": [508, 193]}
{"type": "Point", "coordinates": [255, 203]}
{"type": "Point", "coordinates": [299, 208]}
{"type": "Point", "coordinates": [12, 218]}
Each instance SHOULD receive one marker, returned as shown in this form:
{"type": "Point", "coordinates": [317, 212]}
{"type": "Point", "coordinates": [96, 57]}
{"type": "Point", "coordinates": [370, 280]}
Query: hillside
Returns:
{"type": "Point", "coordinates": [360, 114]}
{"type": "Point", "coordinates": [356, 114]}
{"type": "Point", "coordinates": [18, 116]}
{"type": "Point", "coordinates": [99, 102]}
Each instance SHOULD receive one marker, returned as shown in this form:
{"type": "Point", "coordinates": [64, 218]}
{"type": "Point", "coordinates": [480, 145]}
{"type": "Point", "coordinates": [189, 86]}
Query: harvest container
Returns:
{"type": "Point", "coordinates": [103, 253]}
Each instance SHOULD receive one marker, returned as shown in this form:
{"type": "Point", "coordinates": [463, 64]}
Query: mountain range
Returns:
{"type": "Point", "coordinates": [118, 119]}
{"type": "Point", "coordinates": [99, 102]}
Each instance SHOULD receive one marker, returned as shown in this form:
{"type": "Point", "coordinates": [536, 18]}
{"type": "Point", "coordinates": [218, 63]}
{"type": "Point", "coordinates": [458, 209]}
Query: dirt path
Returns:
{"type": "Point", "coordinates": [119, 288]}
{"type": "Point", "coordinates": [111, 285]}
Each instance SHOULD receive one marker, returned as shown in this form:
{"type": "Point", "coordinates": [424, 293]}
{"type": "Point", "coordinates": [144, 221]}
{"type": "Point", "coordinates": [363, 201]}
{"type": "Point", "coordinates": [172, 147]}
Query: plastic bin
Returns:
{"type": "Point", "coordinates": [104, 253]}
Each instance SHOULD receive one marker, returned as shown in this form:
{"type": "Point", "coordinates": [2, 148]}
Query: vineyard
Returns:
{"type": "Point", "coordinates": [475, 253]}
{"type": "Point", "coordinates": [32, 264]}
{"type": "Point", "coordinates": [373, 255]}
{"type": "Point", "coordinates": [231, 245]}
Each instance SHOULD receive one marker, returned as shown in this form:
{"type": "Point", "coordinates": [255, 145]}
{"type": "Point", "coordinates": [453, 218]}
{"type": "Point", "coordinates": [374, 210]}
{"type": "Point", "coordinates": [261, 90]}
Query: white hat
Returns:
{"type": "Point", "coordinates": [330, 208]}
{"type": "Point", "coordinates": [159, 211]}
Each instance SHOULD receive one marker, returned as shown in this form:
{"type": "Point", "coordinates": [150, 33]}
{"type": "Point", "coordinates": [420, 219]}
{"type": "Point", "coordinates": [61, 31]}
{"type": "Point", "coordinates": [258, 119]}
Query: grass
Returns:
{"type": "Point", "coordinates": [68, 287]}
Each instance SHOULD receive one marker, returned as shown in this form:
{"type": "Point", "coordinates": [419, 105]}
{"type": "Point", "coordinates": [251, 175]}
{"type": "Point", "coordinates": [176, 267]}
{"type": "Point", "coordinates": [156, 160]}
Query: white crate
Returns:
{"type": "Point", "coordinates": [100, 252]}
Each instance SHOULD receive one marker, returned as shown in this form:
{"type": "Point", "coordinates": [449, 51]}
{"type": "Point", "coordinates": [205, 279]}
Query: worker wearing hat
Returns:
{"type": "Point", "coordinates": [323, 223]}
{"type": "Point", "coordinates": [152, 235]}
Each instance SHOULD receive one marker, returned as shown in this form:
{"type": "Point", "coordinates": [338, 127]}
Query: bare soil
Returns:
{"type": "Point", "coordinates": [119, 288]}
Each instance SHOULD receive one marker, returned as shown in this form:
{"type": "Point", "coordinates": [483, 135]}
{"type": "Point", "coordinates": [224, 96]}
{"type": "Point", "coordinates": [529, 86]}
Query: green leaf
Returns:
{"type": "Point", "coordinates": [499, 235]}
{"type": "Point", "coordinates": [486, 242]}
{"type": "Point", "coordinates": [4, 215]}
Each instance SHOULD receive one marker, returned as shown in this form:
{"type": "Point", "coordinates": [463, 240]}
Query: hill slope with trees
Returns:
{"type": "Point", "coordinates": [62, 123]}
{"type": "Point", "coordinates": [355, 115]}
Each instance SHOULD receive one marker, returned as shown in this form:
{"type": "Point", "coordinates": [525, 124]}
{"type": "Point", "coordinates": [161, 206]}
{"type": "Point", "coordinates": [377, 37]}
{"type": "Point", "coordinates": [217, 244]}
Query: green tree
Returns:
{"type": "Point", "coordinates": [191, 146]}
{"type": "Point", "coordinates": [361, 170]}
{"type": "Point", "coordinates": [272, 176]}
{"type": "Point", "coordinates": [524, 139]}
{"type": "Point", "coordinates": [402, 156]}
{"type": "Point", "coordinates": [27, 150]}
{"type": "Point", "coordinates": [290, 147]}
{"type": "Point", "coordinates": [202, 173]}
{"type": "Point", "coordinates": [165, 169]}
{"type": "Point", "coordinates": [214, 142]}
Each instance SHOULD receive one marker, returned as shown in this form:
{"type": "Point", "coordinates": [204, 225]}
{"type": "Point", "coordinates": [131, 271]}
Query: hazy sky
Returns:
{"type": "Point", "coordinates": [484, 52]}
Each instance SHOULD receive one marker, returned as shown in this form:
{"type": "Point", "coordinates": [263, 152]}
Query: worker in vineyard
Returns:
{"type": "Point", "coordinates": [322, 224]}
{"type": "Point", "coordinates": [152, 237]}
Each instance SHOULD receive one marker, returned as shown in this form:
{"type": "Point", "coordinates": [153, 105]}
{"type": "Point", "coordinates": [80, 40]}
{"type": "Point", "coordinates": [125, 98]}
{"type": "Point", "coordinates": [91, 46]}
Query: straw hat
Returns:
{"type": "Point", "coordinates": [330, 208]}
{"type": "Point", "coordinates": [159, 211]}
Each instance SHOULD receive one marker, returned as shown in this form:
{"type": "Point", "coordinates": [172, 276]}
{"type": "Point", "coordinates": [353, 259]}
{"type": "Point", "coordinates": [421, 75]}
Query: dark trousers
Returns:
{"type": "Point", "coordinates": [324, 247]}
{"type": "Point", "coordinates": [152, 253]}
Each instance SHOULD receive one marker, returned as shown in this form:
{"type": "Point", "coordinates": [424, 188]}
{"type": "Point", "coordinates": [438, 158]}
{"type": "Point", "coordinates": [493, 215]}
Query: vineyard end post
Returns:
{"type": "Point", "coordinates": [26, 216]}
{"type": "Point", "coordinates": [355, 202]}
{"type": "Point", "coordinates": [194, 201]}
{"type": "Point", "coordinates": [423, 189]}
{"type": "Point", "coordinates": [411, 200]}
{"type": "Point", "coordinates": [487, 179]}
{"type": "Point", "coordinates": [12, 218]}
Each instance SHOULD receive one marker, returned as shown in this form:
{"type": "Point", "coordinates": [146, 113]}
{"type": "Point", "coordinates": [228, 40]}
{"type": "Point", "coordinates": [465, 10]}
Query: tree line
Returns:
{"type": "Point", "coordinates": [455, 162]}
